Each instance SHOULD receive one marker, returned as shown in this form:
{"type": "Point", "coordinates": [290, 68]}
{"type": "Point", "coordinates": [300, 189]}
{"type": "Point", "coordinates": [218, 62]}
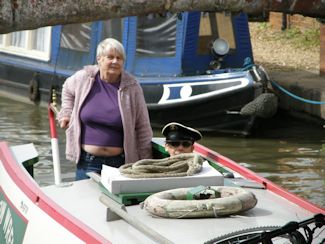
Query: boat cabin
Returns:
{"type": "Point", "coordinates": [156, 44]}
{"type": "Point", "coordinates": [189, 61]}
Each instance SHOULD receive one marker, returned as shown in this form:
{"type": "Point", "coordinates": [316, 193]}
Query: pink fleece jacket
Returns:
{"type": "Point", "coordinates": [134, 113]}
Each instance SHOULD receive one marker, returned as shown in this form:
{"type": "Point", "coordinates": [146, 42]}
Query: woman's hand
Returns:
{"type": "Point", "coordinates": [64, 122]}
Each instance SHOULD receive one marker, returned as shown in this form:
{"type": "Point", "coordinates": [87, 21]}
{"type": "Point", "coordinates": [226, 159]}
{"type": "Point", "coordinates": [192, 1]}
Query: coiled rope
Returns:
{"type": "Point", "coordinates": [295, 96]}
{"type": "Point", "coordinates": [185, 164]}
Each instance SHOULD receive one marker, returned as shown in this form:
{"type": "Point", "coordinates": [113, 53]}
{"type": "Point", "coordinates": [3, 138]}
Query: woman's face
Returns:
{"type": "Point", "coordinates": [111, 63]}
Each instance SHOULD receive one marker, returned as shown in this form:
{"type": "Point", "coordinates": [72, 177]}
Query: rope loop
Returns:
{"type": "Point", "coordinates": [185, 164]}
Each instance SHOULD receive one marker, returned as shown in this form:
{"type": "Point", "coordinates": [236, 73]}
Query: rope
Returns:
{"type": "Point", "coordinates": [295, 96]}
{"type": "Point", "coordinates": [185, 164]}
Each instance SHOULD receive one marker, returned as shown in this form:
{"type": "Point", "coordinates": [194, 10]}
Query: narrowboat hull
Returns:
{"type": "Point", "coordinates": [73, 213]}
{"type": "Point", "coordinates": [206, 102]}
{"type": "Point", "coordinates": [213, 103]}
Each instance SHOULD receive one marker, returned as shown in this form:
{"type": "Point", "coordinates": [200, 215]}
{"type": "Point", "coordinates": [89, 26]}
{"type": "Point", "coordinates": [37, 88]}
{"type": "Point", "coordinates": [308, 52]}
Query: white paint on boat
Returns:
{"type": "Point", "coordinates": [46, 221]}
{"type": "Point", "coordinates": [56, 160]}
{"type": "Point", "coordinates": [40, 225]}
{"type": "Point", "coordinates": [74, 214]}
{"type": "Point", "coordinates": [116, 183]}
{"type": "Point", "coordinates": [165, 98]}
{"type": "Point", "coordinates": [270, 210]}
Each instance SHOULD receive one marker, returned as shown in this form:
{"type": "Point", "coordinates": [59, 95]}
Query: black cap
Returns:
{"type": "Point", "coordinates": [178, 132]}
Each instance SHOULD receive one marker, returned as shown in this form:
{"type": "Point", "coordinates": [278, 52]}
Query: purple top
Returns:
{"type": "Point", "coordinates": [100, 116]}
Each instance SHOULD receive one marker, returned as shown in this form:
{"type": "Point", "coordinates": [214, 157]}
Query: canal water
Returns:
{"type": "Point", "coordinates": [288, 152]}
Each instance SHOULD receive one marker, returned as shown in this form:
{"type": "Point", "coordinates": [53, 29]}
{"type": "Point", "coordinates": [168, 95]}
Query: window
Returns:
{"type": "Point", "coordinates": [76, 37]}
{"type": "Point", "coordinates": [213, 26]}
{"type": "Point", "coordinates": [76, 45]}
{"type": "Point", "coordinates": [156, 35]}
{"type": "Point", "coordinates": [34, 44]}
{"type": "Point", "coordinates": [113, 28]}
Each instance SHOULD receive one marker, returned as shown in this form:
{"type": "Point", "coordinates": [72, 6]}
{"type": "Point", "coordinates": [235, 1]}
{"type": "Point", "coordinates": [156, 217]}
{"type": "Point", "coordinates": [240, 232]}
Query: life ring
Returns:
{"type": "Point", "coordinates": [173, 203]}
{"type": "Point", "coordinates": [33, 90]}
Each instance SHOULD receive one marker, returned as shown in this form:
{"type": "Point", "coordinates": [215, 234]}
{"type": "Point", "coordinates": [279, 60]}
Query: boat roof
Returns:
{"type": "Point", "coordinates": [81, 199]}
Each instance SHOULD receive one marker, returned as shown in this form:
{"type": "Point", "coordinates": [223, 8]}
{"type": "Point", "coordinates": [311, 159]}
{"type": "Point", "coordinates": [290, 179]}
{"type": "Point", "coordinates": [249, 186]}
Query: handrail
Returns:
{"type": "Point", "coordinates": [52, 112]}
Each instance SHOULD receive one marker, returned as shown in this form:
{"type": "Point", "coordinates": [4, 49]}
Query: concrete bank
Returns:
{"type": "Point", "coordinates": [303, 84]}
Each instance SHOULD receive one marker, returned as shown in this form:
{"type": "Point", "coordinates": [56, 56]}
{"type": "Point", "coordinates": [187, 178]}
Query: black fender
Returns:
{"type": "Point", "coordinates": [33, 89]}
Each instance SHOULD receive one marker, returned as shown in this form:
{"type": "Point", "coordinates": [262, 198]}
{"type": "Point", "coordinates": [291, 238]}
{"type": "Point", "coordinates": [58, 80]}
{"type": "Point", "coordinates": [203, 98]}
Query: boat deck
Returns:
{"type": "Point", "coordinates": [81, 199]}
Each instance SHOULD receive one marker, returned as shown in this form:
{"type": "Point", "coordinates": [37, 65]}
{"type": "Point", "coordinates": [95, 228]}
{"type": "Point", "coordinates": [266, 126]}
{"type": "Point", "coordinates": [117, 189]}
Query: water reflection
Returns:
{"type": "Point", "coordinates": [297, 163]}
{"type": "Point", "coordinates": [289, 154]}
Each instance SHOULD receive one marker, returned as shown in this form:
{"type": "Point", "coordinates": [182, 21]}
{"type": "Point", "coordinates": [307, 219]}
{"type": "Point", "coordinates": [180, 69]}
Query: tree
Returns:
{"type": "Point", "coordinates": [31, 14]}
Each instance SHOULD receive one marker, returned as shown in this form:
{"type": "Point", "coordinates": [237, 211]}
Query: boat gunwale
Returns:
{"type": "Point", "coordinates": [247, 173]}
{"type": "Point", "coordinates": [171, 80]}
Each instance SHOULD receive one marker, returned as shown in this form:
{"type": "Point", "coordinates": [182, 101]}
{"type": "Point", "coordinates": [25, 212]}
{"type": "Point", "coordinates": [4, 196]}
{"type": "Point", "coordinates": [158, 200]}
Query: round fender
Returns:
{"type": "Point", "coordinates": [33, 90]}
{"type": "Point", "coordinates": [173, 203]}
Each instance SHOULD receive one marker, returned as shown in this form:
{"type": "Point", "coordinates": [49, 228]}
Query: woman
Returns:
{"type": "Point", "coordinates": [104, 111]}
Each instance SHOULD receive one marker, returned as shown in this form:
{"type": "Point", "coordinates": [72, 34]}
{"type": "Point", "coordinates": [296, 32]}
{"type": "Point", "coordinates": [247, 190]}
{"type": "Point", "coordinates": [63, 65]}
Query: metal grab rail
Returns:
{"type": "Point", "coordinates": [52, 112]}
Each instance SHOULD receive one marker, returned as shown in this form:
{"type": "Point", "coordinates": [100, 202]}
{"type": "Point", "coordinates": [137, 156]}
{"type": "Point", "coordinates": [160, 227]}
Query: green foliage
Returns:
{"type": "Point", "coordinates": [304, 39]}
{"type": "Point", "coordinates": [301, 39]}
{"type": "Point", "coordinates": [262, 26]}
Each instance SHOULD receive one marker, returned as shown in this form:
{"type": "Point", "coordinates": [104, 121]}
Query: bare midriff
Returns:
{"type": "Point", "coordinates": [102, 151]}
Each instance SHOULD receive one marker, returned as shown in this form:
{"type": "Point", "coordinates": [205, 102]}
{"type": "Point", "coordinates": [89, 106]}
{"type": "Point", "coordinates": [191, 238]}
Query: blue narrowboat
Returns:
{"type": "Point", "coordinates": [196, 68]}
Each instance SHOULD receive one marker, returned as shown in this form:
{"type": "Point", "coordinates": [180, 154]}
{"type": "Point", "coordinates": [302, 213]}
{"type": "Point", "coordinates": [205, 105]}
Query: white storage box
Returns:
{"type": "Point", "coordinates": [117, 183]}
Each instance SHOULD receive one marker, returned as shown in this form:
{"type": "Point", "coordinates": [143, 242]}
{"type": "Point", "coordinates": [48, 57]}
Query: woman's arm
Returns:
{"type": "Point", "coordinates": [67, 102]}
{"type": "Point", "coordinates": [143, 128]}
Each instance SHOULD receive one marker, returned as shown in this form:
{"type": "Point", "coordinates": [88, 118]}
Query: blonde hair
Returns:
{"type": "Point", "coordinates": [110, 43]}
